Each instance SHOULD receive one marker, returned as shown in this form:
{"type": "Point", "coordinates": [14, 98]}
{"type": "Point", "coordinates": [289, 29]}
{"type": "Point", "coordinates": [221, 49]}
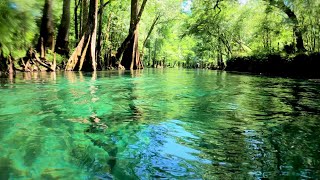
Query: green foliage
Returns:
{"type": "Point", "coordinates": [204, 33]}
{"type": "Point", "coordinates": [166, 42]}
{"type": "Point", "coordinates": [17, 24]}
{"type": "Point", "coordinates": [50, 57]}
{"type": "Point", "coordinates": [236, 28]}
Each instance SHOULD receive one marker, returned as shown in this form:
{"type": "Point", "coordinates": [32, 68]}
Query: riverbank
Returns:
{"type": "Point", "coordinates": [300, 65]}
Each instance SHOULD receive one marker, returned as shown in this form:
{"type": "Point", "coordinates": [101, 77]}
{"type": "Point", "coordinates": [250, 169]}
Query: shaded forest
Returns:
{"type": "Point", "coordinates": [264, 36]}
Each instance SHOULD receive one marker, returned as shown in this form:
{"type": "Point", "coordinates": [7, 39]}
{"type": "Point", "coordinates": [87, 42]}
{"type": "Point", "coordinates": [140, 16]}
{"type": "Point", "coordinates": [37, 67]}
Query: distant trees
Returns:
{"type": "Point", "coordinates": [225, 29]}
{"type": "Point", "coordinates": [106, 34]}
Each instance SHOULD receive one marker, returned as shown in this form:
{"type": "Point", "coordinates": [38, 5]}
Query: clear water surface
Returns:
{"type": "Point", "coordinates": [153, 124]}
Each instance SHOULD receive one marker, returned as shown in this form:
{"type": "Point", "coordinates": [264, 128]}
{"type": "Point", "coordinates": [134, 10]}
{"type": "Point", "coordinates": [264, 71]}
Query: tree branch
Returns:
{"type": "Point", "coordinates": [217, 4]}
{"type": "Point", "coordinates": [103, 6]}
{"type": "Point", "coordinates": [140, 12]}
{"type": "Point", "coordinates": [150, 30]}
{"type": "Point", "coordinates": [78, 4]}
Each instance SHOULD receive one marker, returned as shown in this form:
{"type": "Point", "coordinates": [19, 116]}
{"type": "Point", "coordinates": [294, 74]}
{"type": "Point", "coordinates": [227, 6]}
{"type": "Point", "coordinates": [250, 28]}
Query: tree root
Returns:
{"type": "Point", "coordinates": [31, 62]}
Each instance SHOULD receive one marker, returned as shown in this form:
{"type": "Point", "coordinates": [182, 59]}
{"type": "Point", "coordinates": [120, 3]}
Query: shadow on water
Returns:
{"type": "Point", "coordinates": [285, 139]}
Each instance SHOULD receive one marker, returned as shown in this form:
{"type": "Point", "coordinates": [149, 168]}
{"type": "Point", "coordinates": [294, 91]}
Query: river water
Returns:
{"type": "Point", "coordinates": [151, 124]}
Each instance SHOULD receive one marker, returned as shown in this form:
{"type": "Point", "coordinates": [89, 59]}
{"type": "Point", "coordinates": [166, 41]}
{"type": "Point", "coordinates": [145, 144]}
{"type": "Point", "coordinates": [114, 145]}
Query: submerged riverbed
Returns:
{"type": "Point", "coordinates": [176, 124]}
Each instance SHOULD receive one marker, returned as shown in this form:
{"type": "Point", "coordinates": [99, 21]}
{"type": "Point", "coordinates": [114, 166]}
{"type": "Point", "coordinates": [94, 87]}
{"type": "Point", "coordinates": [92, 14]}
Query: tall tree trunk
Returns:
{"type": "Point", "coordinates": [108, 53]}
{"type": "Point", "coordinates": [46, 38]}
{"type": "Point", "coordinates": [135, 61]}
{"type": "Point", "coordinates": [129, 55]}
{"type": "Point", "coordinates": [129, 47]}
{"type": "Point", "coordinates": [64, 28]}
{"type": "Point", "coordinates": [99, 43]}
{"type": "Point", "coordinates": [11, 65]}
{"type": "Point", "coordinates": [86, 49]}
{"type": "Point", "coordinates": [155, 54]}
{"type": "Point", "coordinates": [3, 62]}
{"type": "Point", "coordinates": [6, 64]}
{"type": "Point", "coordinates": [100, 65]}
{"type": "Point", "coordinates": [93, 17]}
{"type": "Point", "coordinates": [84, 16]}
{"type": "Point", "coordinates": [292, 16]}
{"type": "Point", "coordinates": [76, 22]}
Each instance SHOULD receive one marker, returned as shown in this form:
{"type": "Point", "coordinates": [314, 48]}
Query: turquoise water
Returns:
{"type": "Point", "coordinates": [152, 124]}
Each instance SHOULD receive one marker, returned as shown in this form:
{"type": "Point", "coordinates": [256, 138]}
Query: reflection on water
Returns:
{"type": "Point", "coordinates": [182, 124]}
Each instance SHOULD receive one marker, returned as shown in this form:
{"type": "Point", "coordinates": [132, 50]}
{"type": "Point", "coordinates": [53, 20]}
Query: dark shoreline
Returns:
{"type": "Point", "coordinates": [303, 66]}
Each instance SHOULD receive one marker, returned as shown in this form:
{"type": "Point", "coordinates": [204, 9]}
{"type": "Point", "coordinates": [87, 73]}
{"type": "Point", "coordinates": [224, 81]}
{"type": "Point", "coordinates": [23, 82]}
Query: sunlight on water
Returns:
{"type": "Point", "coordinates": [189, 124]}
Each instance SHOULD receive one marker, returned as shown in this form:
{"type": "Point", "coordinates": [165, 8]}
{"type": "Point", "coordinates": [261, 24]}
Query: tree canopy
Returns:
{"type": "Point", "coordinates": [171, 32]}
